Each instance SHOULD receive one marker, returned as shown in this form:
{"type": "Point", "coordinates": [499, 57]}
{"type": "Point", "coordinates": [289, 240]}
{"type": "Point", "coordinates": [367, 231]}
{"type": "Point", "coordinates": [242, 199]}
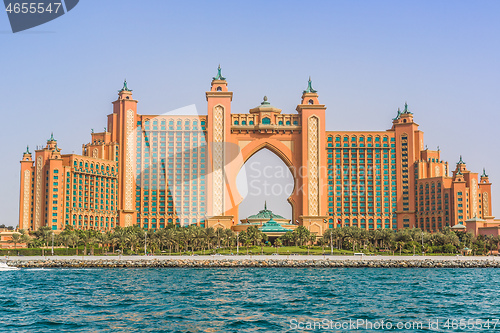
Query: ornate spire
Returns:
{"type": "Point", "coordinates": [461, 161]}
{"type": "Point", "coordinates": [28, 150]}
{"type": "Point", "coordinates": [125, 88]}
{"type": "Point", "coordinates": [52, 137]}
{"type": "Point", "coordinates": [265, 102]}
{"type": "Point", "coordinates": [405, 111]}
{"type": "Point", "coordinates": [219, 75]}
{"type": "Point", "coordinates": [484, 174]}
{"type": "Point", "coordinates": [398, 115]}
{"type": "Point", "coordinates": [265, 205]}
{"type": "Point", "coordinates": [309, 87]}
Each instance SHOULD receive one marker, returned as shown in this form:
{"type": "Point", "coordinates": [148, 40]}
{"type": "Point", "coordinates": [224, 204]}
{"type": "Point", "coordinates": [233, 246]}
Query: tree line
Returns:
{"type": "Point", "coordinates": [172, 239]}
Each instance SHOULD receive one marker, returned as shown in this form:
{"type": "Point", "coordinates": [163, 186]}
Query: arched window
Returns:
{"type": "Point", "coordinates": [266, 121]}
{"type": "Point", "coordinates": [219, 88]}
{"type": "Point", "coordinates": [311, 101]}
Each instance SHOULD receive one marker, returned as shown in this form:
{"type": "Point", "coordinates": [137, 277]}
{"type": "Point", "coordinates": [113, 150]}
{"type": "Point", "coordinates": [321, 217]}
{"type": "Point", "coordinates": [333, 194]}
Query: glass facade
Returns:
{"type": "Point", "coordinates": [361, 180]}
{"type": "Point", "coordinates": [171, 165]}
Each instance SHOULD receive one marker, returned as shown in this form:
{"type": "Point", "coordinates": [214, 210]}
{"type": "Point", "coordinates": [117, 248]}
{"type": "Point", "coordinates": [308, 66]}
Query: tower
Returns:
{"type": "Point", "coordinates": [218, 131]}
{"type": "Point", "coordinates": [25, 202]}
{"type": "Point", "coordinates": [485, 196]}
{"type": "Point", "coordinates": [122, 124]}
{"type": "Point", "coordinates": [313, 180]}
{"type": "Point", "coordinates": [409, 144]}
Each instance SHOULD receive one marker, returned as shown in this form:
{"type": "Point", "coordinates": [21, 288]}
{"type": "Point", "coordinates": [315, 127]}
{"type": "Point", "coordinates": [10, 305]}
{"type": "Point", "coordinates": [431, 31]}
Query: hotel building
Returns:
{"type": "Point", "coordinates": [158, 170]}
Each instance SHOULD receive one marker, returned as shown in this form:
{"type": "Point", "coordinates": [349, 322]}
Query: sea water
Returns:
{"type": "Point", "coordinates": [250, 300]}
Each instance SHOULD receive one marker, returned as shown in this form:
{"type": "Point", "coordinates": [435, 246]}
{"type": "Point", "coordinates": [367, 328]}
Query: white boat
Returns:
{"type": "Point", "coordinates": [5, 267]}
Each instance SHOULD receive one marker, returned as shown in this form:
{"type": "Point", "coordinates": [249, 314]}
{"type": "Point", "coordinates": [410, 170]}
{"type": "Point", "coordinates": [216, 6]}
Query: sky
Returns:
{"type": "Point", "coordinates": [366, 59]}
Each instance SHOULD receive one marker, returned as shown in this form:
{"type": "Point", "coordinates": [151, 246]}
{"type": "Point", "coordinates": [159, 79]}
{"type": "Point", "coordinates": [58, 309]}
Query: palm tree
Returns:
{"type": "Point", "coordinates": [328, 237]}
{"type": "Point", "coordinates": [400, 245]}
{"type": "Point", "coordinates": [387, 237]}
{"type": "Point", "coordinates": [133, 241]}
{"type": "Point", "coordinates": [310, 241]}
{"type": "Point", "coordinates": [92, 240]}
{"type": "Point", "coordinates": [245, 239]}
{"type": "Point", "coordinates": [351, 234]}
{"type": "Point", "coordinates": [123, 238]}
{"type": "Point", "coordinates": [341, 234]}
{"type": "Point", "coordinates": [25, 238]}
{"type": "Point", "coordinates": [262, 239]}
{"type": "Point", "coordinates": [230, 238]}
{"type": "Point", "coordinates": [277, 243]}
{"type": "Point", "coordinates": [74, 239]}
{"type": "Point", "coordinates": [169, 239]}
{"type": "Point", "coordinates": [64, 238]}
{"type": "Point", "coordinates": [154, 242]}
{"type": "Point", "coordinates": [209, 235]}
{"type": "Point", "coordinates": [302, 234]}
{"type": "Point", "coordinates": [16, 238]}
{"type": "Point", "coordinates": [85, 236]}
{"type": "Point", "coordinates": [43, 234]}
{"type": "Point", "coordinates": [103, 239]}
{"type": "Point", "coordinates": [219, 234]}
{"type": "Point", "coordinates": [248, 242]}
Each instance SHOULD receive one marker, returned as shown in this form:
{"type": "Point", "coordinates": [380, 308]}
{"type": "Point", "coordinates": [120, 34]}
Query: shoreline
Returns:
{"type": "Point", "coordinates": [253, 261]}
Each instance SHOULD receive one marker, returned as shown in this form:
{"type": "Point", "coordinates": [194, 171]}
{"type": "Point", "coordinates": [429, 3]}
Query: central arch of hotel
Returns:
{"type": "Point", "coordinates": [297, 139]}
{"type": "Point", "coordinates": [283, 150]}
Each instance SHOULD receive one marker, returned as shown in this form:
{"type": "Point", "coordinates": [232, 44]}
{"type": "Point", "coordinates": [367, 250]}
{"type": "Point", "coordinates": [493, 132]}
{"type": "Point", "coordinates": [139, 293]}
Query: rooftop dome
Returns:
{"type": "Point", "coordinates": [265, 214]}
{"type": "Point", "coordinates": [273, 226]}
{"type": "Point", "coordinates": [265, 106]}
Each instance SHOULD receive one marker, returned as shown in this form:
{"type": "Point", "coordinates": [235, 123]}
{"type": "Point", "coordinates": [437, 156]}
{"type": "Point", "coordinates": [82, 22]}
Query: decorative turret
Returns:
{"type": "Point", "coordinates": [219, 76]}
{"type": "Point", "coordinates": [484, 177]}
{"type": "Point", "coordinates": [27, 154]}
{"type": "Point", "coordinates": [309, 87]}
{"type": "Point", "coordinates": [125, 88]}
{"type": "Point", "coordinates": [404, 116]}
{"type": "Point", "coordinates": [461, 167]}
{"type": "Point", "coordinates": [398, 115]}
{"type": "Point", "coordinates": [309, 98]}
{"type": "Point", "coordinates": [219, 85]}
{"type": "Point", "coordinates": [406, 109]}
{"type": "Point", "coordinates": [52, 143]}
{"type": "Point", "coordinates": [125, 92]}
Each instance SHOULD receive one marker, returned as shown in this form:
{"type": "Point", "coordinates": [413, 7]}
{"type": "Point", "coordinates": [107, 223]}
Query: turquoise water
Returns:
{"type": "Point", "coordinates": [246, 299]}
